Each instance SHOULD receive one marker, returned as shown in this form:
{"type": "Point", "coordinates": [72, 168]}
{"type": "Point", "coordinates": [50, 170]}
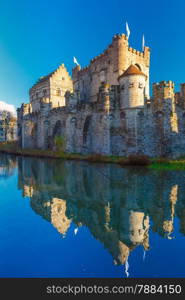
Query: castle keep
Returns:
{"type": "Point", "coordinates": [105, 108]}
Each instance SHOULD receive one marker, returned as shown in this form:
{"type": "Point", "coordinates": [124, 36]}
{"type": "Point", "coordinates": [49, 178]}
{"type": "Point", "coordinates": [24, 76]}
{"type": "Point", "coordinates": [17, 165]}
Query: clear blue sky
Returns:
{"type": "Point", "coordinates": [37, 36]}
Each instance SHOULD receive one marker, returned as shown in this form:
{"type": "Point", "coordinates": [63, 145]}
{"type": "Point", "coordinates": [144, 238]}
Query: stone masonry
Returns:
{"type": "Point", "coordinates": [8, 127]}
{"type": "Point", "coordinates": [105, 108]}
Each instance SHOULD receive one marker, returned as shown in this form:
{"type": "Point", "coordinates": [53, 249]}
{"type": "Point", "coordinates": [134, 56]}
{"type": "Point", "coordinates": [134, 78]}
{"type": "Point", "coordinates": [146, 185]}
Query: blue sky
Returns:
{"type": "Point", "coordinates": [37, 36]}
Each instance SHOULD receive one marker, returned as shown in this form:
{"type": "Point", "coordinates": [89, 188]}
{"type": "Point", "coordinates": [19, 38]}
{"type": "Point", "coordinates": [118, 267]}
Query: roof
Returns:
{"type": "Point", "coordinates": [47, 77]}
{"type": "Point", "coordinates": [132, 70]}
{"type": "Point", "coordinates": [43, 78]}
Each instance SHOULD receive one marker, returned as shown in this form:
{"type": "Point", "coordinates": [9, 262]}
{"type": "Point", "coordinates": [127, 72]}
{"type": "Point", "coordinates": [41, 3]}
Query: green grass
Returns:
{"type": "Point", "coordinates": [158, 164]}
{"type": "Point", "coordinates": [170, 165]}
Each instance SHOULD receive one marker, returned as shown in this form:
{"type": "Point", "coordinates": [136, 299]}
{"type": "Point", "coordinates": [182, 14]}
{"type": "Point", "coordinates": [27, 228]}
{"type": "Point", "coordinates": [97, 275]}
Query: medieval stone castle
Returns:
{"type": "Point", "coordinates": [105, 108]}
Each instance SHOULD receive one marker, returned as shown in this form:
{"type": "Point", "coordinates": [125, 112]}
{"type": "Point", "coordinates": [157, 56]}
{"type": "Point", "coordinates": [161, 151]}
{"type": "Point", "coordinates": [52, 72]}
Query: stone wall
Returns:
{"type": "Point", "coordinates": [8, 127]}
{"type": "Point", "coordinates": [108, 66]}
{"type": "Point", "coordinates": [105, 108]}
{"type": "Point", "coordinates": [94, 128]}
{"type": "Point", "coordinates": [51, 88]}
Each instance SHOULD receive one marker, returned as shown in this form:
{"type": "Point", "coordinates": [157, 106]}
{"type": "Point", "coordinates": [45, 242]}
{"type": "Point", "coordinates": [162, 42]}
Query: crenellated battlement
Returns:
{"type": "Point", "coordinates": [163, 84]}
{"type": "Point", "coordinates": [98, 57]}
{"type": "Point", "coordinates": [106, 108]}
{"type": "Point", "coordinates": [108, 66]}
{"type": "Point", "coordinates": [134, 51]}
{"type": "Point", "coordinates": [163, 95]}
{"type": "Point", "coordinates": [106, 52]}
{"type": "Point", "coordinates": [120, 36]}
{"type": "Point", "coordinates": [163, 89]}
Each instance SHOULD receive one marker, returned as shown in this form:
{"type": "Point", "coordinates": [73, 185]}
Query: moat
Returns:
{"type": "Point", "coordinates": [77, 219]}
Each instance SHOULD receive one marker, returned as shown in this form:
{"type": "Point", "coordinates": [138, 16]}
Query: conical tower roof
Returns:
{"type": "Point", "coordinates": [132, 70]}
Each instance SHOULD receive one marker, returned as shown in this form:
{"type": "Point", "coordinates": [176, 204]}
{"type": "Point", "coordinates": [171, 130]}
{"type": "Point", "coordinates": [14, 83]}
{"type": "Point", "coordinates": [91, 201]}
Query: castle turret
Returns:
{"type": "Point", "coordinates": [119, 52]}
{"type": "Point", "coordinates": [163, 94]}
{"type": "Point", "coordinates": [26, 108]}
{"type": "Point", "coordinates": [132, 85]}
{"type": "Point", "coordinates": [182, 91]}
{"type": "Point", "coordinates": [104, 97]}
{"type": "Point", "coordinates": [180, 97]}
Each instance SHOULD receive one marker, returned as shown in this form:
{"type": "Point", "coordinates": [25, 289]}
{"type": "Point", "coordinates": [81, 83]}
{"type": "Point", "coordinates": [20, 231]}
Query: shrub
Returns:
{"type": "Point", "coordinates": [59, 143]}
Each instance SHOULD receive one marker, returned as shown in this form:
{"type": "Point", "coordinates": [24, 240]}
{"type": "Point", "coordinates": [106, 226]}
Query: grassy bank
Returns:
{"type": "Point", "coordinates": [12, 148]}
{"type": "Point", "coordinates": [133, 160]}
{"type": "Point", "coordinates": [168, 164]}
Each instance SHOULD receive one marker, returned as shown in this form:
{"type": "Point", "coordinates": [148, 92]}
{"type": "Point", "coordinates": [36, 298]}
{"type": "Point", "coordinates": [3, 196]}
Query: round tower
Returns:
{"type": "Point", "coordinates": [132, 84]}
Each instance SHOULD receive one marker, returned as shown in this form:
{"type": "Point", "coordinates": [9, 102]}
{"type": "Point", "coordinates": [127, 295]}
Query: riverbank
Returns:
{"type": "Point", "coordinates": [133, 160]}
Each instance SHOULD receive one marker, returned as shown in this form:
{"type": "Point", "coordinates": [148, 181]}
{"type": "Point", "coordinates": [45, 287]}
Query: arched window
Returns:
{"type": "Point", "coordinates": [44, 92]}
{"type": "Point", "coordinates": [141, 114]}
{"type": "Point", "coordinates": [73, 121]}
{"type": "Point", "coordinates": [57, 129]}
{"type": "Point", "coordinates": [138, 66]}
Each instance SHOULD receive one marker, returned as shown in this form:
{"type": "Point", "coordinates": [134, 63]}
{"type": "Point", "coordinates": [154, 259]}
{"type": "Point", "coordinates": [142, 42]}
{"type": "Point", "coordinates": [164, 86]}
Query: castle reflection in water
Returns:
{"type": "Point", "coordinates": [118, 205]}
{"type": "Point", "coordinates": [7, 166]}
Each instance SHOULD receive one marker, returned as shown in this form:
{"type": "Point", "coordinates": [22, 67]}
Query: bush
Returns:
{"type": "Point", "coordinates": [59, 143]}
{"type": "Point", "coordinates": [136, 160]}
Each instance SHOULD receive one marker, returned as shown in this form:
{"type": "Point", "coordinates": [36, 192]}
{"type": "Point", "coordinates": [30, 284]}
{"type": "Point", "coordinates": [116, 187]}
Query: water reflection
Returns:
{"type": "Point", "coordinates": [7, 166]}
{"type": "Point", "coordinates": [118, 205]}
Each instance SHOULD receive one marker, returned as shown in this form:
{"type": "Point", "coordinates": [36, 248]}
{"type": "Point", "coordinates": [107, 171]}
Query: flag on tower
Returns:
{"type": "Point", "coordinates": [127, 30]}
{"type": "Point", "coordinates": [75, 61]}
{"type": "Point", "coordinates": [143, 42]}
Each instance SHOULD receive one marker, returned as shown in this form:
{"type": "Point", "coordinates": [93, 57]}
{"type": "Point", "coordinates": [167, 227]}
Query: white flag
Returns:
{"type": "Point", "coordinates": [143, 42]}
{"type": "Point", "coordinates": [127, 30]}
{"type": "Point", "coordinates": [127, 268]}
{"type": "Point", "coordinates": [75, 61]}
{"type": "Point", "coordinates": [75, 230]}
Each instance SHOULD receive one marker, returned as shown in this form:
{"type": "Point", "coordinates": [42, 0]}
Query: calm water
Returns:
{"type": "Point", "coordinates": [75, 219]}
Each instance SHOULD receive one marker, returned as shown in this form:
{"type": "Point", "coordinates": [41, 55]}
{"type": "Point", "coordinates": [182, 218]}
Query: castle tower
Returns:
{"type": "Point", "coordinates": [132, 83]}
{"type": "Point", "coordinates": [104, 97]}
{"type": "Point", "coordinates": [119, 53]}
{"type": "Point", "coordinates": [106, 67]}
{"type": "Point", "coordinates": [75, 80]}
{"type": "Point", "coordinates": [180, 97]}
{"type": "Point", "coordinates": [163, 95]}
{"type": "Point", "coordinates": [182, 91]}
{"type": "Point", "coordinates": [58, 215]}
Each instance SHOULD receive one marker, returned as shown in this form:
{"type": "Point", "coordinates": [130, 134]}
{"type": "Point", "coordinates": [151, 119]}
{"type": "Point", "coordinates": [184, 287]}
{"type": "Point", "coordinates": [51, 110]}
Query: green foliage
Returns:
{"type": "Point", "coordinates": [59, 143]}
{"type": "Point", "coordinates": [170, 165]}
